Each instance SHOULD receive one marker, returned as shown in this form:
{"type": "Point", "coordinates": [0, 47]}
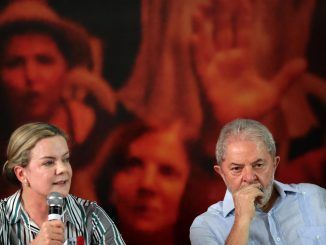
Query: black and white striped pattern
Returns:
{"type": "Point", "coordinates": [81, 217]}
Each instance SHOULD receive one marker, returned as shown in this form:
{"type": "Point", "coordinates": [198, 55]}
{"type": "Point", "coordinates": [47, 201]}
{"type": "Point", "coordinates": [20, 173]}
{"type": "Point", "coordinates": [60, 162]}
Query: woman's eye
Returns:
{"type": "Point", "coordinates": [48, 163]}
{"type": "Point", "coordinates": [168, 171]}
{"type": "Point", "coordinates": [66, 160]}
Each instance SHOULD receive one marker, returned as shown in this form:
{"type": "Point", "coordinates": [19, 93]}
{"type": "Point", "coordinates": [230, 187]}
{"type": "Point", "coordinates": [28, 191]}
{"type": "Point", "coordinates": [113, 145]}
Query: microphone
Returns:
{"type": "Point", "coordinates": [55, 202]}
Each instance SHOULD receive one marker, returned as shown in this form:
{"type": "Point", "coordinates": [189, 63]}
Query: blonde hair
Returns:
{"type": "Point", "coordinates": [22, 141]}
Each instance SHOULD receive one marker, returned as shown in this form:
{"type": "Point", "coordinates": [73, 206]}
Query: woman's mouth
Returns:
{"type": "Point", "coordinates": [61, 182]}
{"type": "Point", "coordinates": [145, 210]}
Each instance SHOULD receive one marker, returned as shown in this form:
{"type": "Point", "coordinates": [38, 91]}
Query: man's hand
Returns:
{"type": "Point", "coordinates": [244, 202]}
{"type": "Point", "coordinates": [52, 232]}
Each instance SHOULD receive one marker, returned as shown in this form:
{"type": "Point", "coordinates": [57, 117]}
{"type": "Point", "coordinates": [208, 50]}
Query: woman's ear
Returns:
{"type": "Point", "coordinates": [20, 174]}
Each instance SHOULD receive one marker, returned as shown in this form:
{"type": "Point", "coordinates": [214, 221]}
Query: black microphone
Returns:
{"type": "Point", "coordinates": [55, 202]}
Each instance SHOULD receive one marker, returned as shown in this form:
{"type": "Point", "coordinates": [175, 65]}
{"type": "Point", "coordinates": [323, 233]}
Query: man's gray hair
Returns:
{"type": "Point", "coordinates": [245, 129]}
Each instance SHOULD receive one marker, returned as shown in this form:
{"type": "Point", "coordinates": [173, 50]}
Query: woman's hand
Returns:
{"type": "Point", "coordinates": [52, 232]}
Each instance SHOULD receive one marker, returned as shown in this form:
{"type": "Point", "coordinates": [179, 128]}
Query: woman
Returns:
{"type": "Point", "coordinates": [143, 178]}
{"type": "Point", "coordinates": [38, 160]}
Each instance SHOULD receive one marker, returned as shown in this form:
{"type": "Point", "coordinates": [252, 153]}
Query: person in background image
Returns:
{"type": "Point", "coordinates": [229, 59]}
{"type": "Point", "coordinates": [38, 160]}
{"type": "Point", "coordinates": [46, 74]}
{"type": "Point", "coordinates": [142, 179]}
{"type": "Point", "coordinates": [257, 208]}
{"type": "Point", "coordinates": [254, 56]}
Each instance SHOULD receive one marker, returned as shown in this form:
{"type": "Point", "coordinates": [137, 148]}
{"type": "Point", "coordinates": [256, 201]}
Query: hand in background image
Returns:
{"type": "Point", "coordinates": [222, 47]}
{"type": "Point", "coordinates": [82, 82]}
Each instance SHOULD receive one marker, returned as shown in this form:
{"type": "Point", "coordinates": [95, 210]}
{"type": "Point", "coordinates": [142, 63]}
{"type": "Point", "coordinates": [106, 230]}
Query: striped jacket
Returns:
{"type": "Point", "coordinates": [83, 220]}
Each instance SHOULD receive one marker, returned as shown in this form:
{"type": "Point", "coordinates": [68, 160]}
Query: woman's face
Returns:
{"type": "Point", "coordinates": [49, 169]}
{"type": "Point", "coordinates": [147, 192]}
{"type": "Point", "coordinates": [32, 75]}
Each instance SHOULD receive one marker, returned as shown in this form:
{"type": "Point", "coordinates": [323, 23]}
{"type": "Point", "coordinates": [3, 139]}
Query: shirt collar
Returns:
{"type": "Point", "coordinates": [284, 189]}
{"type": "Point", "coordinates": [228, 204]}
{"type": "Point", "coordinates": [15, 210]}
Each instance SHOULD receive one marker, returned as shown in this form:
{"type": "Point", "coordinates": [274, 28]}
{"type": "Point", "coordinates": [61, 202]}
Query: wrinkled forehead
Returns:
{"type": "Point", "coordinates": [243, 137]}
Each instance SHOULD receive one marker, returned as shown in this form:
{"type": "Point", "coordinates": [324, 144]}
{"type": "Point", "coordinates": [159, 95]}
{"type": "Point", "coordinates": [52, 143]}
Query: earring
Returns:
{"type": "Point", "coordinates": [26, 182]}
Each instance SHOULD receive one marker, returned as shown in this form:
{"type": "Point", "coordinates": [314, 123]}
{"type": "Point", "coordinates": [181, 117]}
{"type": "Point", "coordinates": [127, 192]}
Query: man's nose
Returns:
{"type": "Point", "coordinates": [249, 175]}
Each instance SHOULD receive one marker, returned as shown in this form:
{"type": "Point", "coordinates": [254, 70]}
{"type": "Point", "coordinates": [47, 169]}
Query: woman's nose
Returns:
{"type": "Point", "coordinates": [148, 183]}
{"type": "Point", "coordinates": [148, 179]}
{"type": "Point", "coordinates": [61, 167]}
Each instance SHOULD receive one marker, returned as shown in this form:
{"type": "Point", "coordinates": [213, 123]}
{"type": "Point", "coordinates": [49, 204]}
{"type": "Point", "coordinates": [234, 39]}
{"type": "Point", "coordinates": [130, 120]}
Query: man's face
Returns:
{"type": "Point", "coordinates": [32, 75]}
{"type": "Point", "coordinates": [147, 192]}
{"type": "Point", "coordinates": [245, 163]}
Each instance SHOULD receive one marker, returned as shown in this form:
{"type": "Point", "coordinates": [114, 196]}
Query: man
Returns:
{"type": "Point", "coordinates": [256, 208]}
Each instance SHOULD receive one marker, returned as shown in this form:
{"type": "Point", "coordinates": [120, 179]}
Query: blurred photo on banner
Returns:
{"type": "Point", "coordinates": [144, 87]}
{"type": "Point", "coordinates": [48, 74]}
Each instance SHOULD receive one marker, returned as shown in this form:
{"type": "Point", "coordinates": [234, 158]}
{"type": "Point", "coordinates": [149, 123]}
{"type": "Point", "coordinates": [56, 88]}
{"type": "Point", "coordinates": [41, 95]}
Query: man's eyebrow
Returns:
{"type": "Point", "coordinates": [237, 164]}
{"type": "Point", "coordinates": [255, 162]}
{"type": "Point", "coordinates": [258, 161]}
